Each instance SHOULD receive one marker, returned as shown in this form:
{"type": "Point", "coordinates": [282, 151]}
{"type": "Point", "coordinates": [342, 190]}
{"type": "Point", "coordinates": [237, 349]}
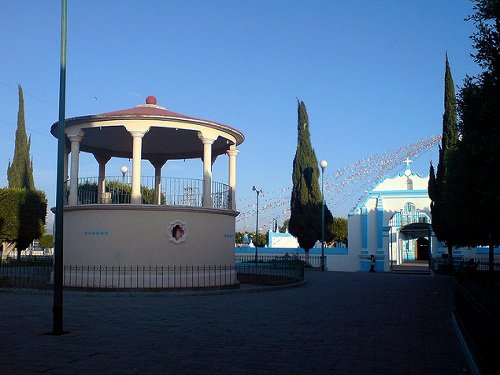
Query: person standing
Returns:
{"type": "Point", "coordinates": [372, 263]}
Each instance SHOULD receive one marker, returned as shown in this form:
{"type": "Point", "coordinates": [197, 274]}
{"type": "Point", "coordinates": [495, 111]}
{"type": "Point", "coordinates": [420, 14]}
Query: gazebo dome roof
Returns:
{"type": "Point", "coordinates": [150, 109]}
{"type": "Point", "coordinates": [169, 135]}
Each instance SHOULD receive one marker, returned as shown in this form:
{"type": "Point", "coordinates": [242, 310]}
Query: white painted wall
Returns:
{"type": "Point", "coordinates": [117, 235]}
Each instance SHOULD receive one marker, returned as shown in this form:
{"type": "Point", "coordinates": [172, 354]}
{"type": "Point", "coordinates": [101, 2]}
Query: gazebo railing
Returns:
{"type": "Point", "coordinates": [174, 191]}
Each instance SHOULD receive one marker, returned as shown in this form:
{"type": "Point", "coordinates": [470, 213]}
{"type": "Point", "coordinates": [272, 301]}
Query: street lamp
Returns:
{"type": "Point", "coordinates": [323, 164]}
{"type": "Point", "coordinates": [124, 171]}
{"type": "Point", "coordinates": [257, 220]}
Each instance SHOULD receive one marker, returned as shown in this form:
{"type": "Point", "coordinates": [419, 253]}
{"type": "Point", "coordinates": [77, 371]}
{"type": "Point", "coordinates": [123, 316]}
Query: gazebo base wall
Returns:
{"type": "Point", "coordinates": [128, 240]}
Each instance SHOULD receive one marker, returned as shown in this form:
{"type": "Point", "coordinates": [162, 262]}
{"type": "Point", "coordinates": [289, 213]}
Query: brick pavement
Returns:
{"type": "Point", "coordinates": [337, 323]}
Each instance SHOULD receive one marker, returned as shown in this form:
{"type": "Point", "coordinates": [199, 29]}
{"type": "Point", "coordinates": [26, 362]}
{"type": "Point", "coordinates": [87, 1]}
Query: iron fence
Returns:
{"type": "Point", "coordinates": [460, 264]}
{"type": "Point", "coordinates": [39, 276]}
{"type": "Point", "coordinates": [272, 272]}
{"type": "Point", "coordinates": [309, 261]}
{"type": "Point", "coordinates": [173, 191]}
{"type": "Point", "coordinates": [21, 275]}
{"type": "Point", "coordinates": [480, 264]}
{"type": "Point", "coordinates": [149, 277]}
{"type": "Point", "coordinates": [12, 259]}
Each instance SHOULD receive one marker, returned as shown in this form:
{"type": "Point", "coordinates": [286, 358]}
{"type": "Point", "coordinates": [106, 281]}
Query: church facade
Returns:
{"type": "Point", "coordinates": [393, 223]}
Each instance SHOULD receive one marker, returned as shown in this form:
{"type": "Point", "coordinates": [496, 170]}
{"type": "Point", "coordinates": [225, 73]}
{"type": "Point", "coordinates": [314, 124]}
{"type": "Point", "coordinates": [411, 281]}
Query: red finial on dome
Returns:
{"type": "Point", "coordinates": [151, 100]}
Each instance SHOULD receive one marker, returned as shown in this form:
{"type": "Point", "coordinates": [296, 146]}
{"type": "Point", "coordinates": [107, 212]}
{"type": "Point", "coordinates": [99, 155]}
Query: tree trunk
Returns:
{"type": "Point", "coordinates": [491, 253]}
{"type": "Point", "coordinates": [7, 247]}
{"type": "Point", "coordinates": [450, 255]}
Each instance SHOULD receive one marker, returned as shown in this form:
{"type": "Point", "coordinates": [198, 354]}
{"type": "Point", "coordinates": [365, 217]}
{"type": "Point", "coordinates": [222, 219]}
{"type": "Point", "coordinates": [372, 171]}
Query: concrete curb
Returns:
{"type": "Point", "coordinates": [465, 347]}
{"type": "Point", "coordinates": [158, 293]}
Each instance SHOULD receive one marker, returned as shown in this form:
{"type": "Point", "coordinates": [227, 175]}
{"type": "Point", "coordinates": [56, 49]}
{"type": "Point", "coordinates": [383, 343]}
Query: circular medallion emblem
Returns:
{"type": "Point", "coordinates": [177, 231]}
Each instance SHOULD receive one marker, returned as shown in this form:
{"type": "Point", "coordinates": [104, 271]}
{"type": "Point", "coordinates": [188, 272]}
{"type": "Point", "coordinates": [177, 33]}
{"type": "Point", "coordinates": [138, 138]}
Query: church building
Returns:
{"type": "Point", "coordinates": [393, 223]}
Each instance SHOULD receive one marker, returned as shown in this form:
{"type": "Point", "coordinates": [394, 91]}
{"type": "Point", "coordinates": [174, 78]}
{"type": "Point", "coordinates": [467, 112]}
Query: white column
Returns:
{"type": "Point", "coordinates": [66, 156]}
{"type": "Point", "coordinates": [101, 182]}
{"type": "Point", "coordinates": [136, 166]}
{"type": "Point", "coordinates": [232, 153]}
{"type": "Point", "coordinates": [158, 164]}
{"type": "Point", "coordinates": [66, 176]}
{"type": "Point", "coordinates": [398, 248]}
{"type": "Point", "coordinates": [207, 170]}
{"type": "Point", "coordinates": [75, 160]}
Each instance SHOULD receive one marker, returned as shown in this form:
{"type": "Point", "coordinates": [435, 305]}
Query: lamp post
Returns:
{"type": "Point", "coordinates": [57, 307]}
{"type": "Point", "coordinates": [257, 220]}
{"type": "Point", "coordinates": [124, 171]}
{"type": "Point", "coordinates": [323, 164]}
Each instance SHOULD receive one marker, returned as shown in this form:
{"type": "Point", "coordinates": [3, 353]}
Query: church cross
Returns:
{"type": "Point", "coordinates": [408, 161]}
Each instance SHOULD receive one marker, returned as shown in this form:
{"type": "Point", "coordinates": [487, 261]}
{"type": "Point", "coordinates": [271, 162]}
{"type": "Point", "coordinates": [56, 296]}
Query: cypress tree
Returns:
{"type": "Point", "coordinates": [306, 200]}
{"type": "Point", "coordinates": [437, 186]}
{"type": "Point", "coordinates": [20, 172]}
{"type": "Point", "coordinates": [450, 130]}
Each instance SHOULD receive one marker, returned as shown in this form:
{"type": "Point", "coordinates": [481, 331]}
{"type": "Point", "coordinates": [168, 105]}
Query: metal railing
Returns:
{"type": "Point", "coordinates": [174, 191]}
{"type": "Point", "coordinates": [149, 277]}
{"type": "Point", "coordinates": [38, 276]}
{"type": "Point", "coordinates": [20, 275]}
{"type": "Point", "coordinates": [310, 261]}
{"type": "Point", "coordinates": [273, 272]}
{"type": "Point", "coordinates": [460, 264]}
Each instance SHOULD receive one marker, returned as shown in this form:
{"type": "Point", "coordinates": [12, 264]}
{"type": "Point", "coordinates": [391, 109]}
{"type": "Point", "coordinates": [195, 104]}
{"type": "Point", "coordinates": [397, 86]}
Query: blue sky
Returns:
{"type": "Point", "coordinates": [370, 72]}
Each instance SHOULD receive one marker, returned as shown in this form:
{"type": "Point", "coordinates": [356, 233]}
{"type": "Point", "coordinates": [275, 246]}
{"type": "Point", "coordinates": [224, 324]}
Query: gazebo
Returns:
{"type": "Point", "coordinates": [123, 225]}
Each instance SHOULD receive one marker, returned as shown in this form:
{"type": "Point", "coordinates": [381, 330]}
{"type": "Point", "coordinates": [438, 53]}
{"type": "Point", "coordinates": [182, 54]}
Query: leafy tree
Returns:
{"type": "Point", "coordinates": [22, 208]}
{"type": "Point", "coordinates": [486, 39]}
{"type": "Point", "coordinates": [238, 238]}
{"type": "Point", "coordinates": [440, 218]}
{"type": "Point", "coordinates": [306, 200]}
{"type": "Point", "coordinates": [20, 172]}
{"type": "Point", "coordinates": [261, 242]}
{"type": "Point", "coordinates": [23, 213]}
{"type": "Point", "coordinates": [47, 241]}
{"type": "Point", "coordinates": [120, 193]}
{"type": "Point", "coordinates": [477, 156]}
{"type": "Point", "coordinates": [338, 230]}
{"type": "Point", "coordinates": [261, 239]}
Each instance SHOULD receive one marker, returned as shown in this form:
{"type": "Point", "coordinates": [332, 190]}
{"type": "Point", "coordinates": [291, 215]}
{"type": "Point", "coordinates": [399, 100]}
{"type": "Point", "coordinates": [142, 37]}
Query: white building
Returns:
{"type": "Point", "coordinates": [393, 223]}
{"type": "Point", "coordinates": [281, 240]}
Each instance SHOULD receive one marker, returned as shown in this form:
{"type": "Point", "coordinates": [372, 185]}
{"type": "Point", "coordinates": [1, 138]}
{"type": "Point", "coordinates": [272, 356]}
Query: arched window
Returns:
{"type": "Point", "coordinates": [409, 207]}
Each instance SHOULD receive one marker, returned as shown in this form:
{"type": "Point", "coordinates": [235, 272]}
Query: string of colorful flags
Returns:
{"type": "Point", "coordinates": [340, 186]}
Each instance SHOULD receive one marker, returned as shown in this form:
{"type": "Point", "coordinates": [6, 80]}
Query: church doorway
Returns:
{"type": "Point", "coordinates": [414, 244]}
{"type": "Point", "coordinates": [422, 249]}
{"type": "Point", "coordinates": [409, 237]}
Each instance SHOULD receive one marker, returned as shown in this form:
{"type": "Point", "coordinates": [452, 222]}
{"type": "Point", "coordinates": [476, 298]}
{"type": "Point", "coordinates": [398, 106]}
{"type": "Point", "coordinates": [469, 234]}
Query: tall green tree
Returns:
{"type": "Point", "coordinates": [20, 172]}
{"type": "Point", "coordinates": [306, 199]}
{"type": "Point", "coordinates": [478, 153]}
{"type": "Point", "coordinates": [440, 218]}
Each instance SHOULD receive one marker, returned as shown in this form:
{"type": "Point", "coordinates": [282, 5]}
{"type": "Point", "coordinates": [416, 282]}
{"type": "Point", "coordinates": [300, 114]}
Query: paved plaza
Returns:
{"type": "Point", "coordinates": [336, 323]}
